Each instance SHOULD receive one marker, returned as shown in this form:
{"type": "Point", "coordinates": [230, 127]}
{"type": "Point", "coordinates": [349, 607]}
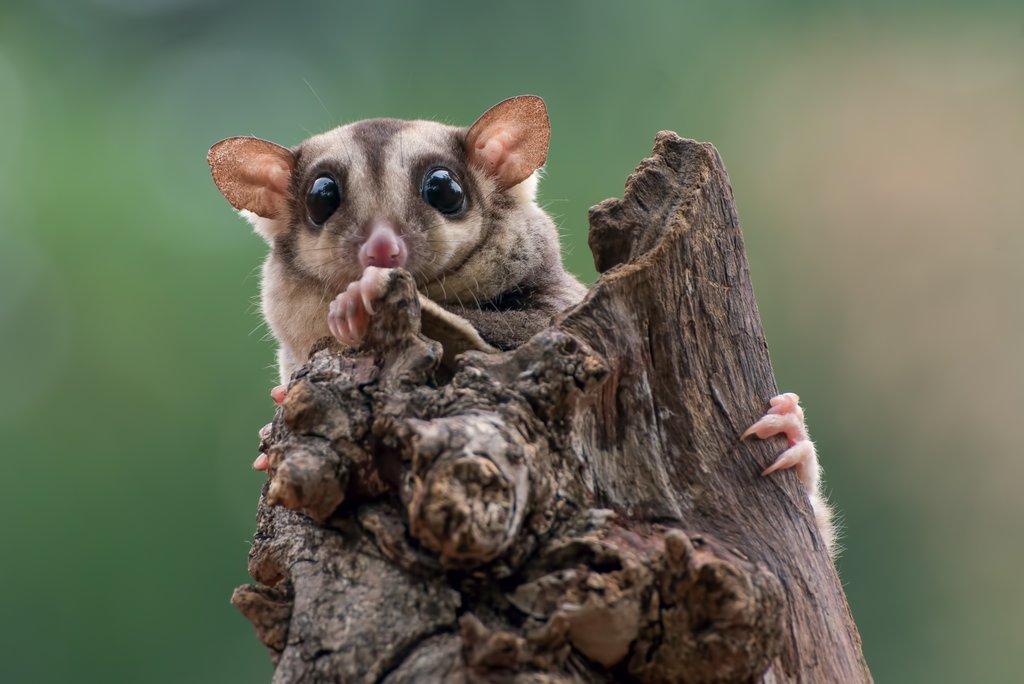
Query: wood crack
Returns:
{"type": "Point", "coordinates": [557, 512]}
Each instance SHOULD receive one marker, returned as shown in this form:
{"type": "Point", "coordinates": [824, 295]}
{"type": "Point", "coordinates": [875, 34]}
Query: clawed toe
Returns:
{"type": "Point", "coordinates": [348, 315]}
{"type": "Point", "coordinates": [339, 318]}
{"type": "Point", "coordinates": [771, 424]}
{"type": "Point", "coordinates": [262, 462]}
{"type": "Point", "coordinates": [800, 456]}
{"type": "Point", "coordinates": [786, 403]}
{"type": "Point", "coordinates": [786, 417]}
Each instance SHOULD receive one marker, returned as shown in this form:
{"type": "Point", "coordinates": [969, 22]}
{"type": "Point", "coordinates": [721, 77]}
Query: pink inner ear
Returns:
{"type": "Point", "coordinates": [495, 152]}
{"type": "Point", "coordinates": [499, 151]}
{"type": "Point", "coordinates": [510, 140]}
{"type": "Point", "coordinates": [269, 172]}
{"type": "Point", "coordinates": [252, 174]}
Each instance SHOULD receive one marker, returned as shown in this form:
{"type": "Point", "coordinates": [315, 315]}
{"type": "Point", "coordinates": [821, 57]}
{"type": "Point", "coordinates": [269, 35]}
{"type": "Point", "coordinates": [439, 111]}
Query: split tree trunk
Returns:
{"type": "Point", "coordinates": [577, 509]}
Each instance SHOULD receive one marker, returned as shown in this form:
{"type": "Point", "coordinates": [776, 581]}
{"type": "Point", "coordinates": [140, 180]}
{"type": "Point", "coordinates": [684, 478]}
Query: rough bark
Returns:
{"type": "Point", "coordinates": [577, 509]}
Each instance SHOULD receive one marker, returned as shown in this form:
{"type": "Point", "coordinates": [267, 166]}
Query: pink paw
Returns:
{"type": "Point", "coordinates": [262, 462]}
{"type": "Point", "coordinates": [786, 417]}
{"type": "Point", "coordinates": [349, 313]}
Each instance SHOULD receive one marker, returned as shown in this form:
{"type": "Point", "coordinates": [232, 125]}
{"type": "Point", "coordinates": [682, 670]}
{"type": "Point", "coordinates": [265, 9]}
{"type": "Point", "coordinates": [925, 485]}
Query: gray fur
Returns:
{"type": "Point", "coordinates": [498, 266]}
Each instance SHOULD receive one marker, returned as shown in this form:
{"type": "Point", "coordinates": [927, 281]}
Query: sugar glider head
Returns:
{"type": "Point", "coordinates": [385, 192]}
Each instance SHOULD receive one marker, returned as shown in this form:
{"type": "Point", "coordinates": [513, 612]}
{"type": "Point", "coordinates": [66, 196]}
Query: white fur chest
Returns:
{"type": "Point", "coordinates": [296, 312]}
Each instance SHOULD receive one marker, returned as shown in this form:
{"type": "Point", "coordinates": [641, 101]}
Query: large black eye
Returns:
{"type": "Point", "coordinates": [441, 191]}
{"type": "Point", "coordinates": [323, 199]}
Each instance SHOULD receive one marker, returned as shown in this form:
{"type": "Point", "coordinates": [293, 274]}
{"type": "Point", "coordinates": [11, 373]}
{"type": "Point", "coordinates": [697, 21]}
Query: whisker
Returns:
{"type": "Point", "coordinates": [309, 85]}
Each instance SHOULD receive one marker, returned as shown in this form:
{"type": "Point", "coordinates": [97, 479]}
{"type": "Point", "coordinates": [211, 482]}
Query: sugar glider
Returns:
{"type": "Point", "coordinates": [454, 206]}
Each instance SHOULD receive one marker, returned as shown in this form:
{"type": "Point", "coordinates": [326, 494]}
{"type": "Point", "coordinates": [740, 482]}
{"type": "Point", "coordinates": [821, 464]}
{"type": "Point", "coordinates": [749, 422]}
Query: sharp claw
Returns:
{"type": "Point", "coordinates": [332, 319]}
{"type": "Point", "coordinates": [373, 281]}
{"type": "Point", "coordinates": [763, 423]}
{"type": "Point", "coordinates": [349, 316]}
{"type": "Point", "coordinates": [772, 424]}
{"type": "Point", "coordinates": [786, 417]}
{"type": "Point", "coordinates": [781, 463]}
{"type": "Point", "coordinates": [801, 457]}
{"type": "Point", "coordinates": [367, 300]}
{"type": "Point", "coordinates": [353, 325]}
{"type": "Point", "coordinates": [786, 403]}
{"type": "Point", "coordinates": [261, 462]}
{"type": "Point", "coordinates": [343, 332]}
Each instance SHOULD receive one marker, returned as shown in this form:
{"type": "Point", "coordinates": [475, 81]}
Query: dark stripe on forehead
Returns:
{"type": "Point", "coordinates": [373, 136]}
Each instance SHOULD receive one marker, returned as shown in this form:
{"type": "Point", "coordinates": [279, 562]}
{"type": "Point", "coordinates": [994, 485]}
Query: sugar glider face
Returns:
{"type": "Point", "coordinates": [420, 195]}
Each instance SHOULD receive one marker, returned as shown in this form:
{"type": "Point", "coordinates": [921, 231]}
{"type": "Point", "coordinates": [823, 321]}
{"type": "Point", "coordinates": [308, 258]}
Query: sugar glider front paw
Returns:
{"type": "Point", "coordinates": [349, 314]}
{"type": "Point", "coordinates": [786, 417]}
{"type": "Point", "coordinates": [262, 462]}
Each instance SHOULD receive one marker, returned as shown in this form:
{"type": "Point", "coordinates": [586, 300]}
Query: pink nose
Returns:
{"type": "Point", "coordinates": [383, 247]}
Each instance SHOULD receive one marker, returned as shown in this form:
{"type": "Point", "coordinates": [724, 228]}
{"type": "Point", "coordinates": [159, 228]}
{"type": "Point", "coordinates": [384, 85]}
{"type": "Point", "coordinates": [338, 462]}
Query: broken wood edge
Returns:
{"type": "Point", "coordinates": [662, 630]}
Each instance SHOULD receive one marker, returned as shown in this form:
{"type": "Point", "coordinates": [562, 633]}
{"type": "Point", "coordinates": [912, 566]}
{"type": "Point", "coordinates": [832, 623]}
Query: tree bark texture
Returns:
{"type": "Point", "coordinates": [579, 509]}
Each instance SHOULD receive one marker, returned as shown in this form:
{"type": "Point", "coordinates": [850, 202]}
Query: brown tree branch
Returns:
{"type": "Point", "coordinates": [577, 509]}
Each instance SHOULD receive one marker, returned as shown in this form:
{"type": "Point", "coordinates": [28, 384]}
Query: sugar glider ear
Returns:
{"type": "Point", "coordinates": [252, 174]}
{"type": "Point", "coordinates": [510, 140]}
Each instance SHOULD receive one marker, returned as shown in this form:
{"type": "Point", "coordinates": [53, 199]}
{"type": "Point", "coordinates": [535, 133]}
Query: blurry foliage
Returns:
{"type": "Point", "coordinates": [875, 155]}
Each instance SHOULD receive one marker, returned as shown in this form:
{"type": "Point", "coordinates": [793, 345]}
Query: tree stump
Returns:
{"type": "Point", "coordinates": [579, 509]}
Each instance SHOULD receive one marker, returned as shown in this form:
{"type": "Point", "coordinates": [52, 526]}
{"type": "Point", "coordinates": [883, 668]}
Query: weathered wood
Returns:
{"type": "Point", "coordinates": [577, 509]}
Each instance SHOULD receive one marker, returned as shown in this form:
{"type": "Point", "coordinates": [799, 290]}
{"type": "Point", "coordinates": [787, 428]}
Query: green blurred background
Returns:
{"type": "Point", "coordinates": [875, 152]}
